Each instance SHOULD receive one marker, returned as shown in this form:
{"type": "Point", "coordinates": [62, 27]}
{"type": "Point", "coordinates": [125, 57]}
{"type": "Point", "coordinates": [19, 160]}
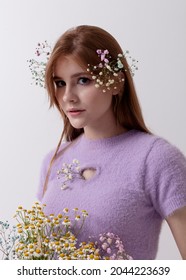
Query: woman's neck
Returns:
{"type": "Point", "coordinates": [106, 132]}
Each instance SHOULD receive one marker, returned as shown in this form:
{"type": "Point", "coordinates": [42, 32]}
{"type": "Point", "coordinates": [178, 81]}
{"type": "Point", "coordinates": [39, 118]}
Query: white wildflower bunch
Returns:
{"type": "Point", "coordinates": [38, 236]}
{"type": "Point", "coordinates": [43, 237]}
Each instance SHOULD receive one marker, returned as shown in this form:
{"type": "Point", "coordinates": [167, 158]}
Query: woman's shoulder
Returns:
{"type": "Point", "coordinates": [165, 155]}
{"type": "Point", "coordinates": [157, 150]}
{"type": "Point", "coordinates": [155, 142]}
{"type": "Point", "coordinates": [164, 148]}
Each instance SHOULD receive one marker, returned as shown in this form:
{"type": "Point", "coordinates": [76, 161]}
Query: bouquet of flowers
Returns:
{"type": "Point", "coordinates": [47, 237]}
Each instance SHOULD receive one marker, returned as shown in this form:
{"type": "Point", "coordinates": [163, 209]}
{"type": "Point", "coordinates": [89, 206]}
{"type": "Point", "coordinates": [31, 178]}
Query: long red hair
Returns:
{"type": "Point", "coordinates": [81, 44]}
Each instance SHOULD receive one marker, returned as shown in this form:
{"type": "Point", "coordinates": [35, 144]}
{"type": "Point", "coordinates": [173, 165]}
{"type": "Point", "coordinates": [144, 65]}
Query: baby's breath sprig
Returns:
{"type": "Point", "coordinates": [38, 67]}
{"type": "Point", "coordinates": [68, 173]}
{"type": "Point", "coordinates": [106, 73]}
{"type": "Point", "coordinates": [8, 239]}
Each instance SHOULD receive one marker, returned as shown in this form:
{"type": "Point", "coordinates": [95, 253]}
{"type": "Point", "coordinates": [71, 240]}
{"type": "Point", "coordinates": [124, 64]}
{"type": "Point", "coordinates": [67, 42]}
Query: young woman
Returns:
{"type": "Point", "coordinates": [127, 179]}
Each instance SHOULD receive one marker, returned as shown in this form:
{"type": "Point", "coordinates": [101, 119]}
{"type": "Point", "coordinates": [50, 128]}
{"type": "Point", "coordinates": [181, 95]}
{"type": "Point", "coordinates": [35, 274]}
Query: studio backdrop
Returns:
{"type": "Point", "coordinates": [153, 31]}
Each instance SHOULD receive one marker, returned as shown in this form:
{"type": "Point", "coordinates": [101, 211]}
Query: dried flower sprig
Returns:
{"type": "Point", "coordinates": [38, 67]}
{"type": "Point", "coordinates": [111, 247]}
{"type": "Point", "coordinates": [108, 69]}
{"type": "Point", "coordinates": [8, 237]}
{"type": "Point", "coordinates": [69, 172]}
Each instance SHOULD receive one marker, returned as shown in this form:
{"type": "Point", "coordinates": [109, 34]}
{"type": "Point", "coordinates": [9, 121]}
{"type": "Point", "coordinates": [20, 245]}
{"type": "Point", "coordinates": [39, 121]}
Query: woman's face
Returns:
{"type": "Point", "coordinates": [85, 105]}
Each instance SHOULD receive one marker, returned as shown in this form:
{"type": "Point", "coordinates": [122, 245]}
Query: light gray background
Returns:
{"type": "Point", "coordinates": [153, 31]}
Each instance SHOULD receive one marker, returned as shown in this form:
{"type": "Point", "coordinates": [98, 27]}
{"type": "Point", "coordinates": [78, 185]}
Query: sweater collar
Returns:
{"type": "Point", "coordinates": [104, 142]}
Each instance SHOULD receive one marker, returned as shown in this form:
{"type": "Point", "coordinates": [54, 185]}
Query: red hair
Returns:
{"type": "Point", "coordinates": [81, 44]}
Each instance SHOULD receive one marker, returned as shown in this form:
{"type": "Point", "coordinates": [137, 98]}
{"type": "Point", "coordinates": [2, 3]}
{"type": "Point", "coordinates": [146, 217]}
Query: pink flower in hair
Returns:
{"type": "Point", "coordinates": [103, 55]}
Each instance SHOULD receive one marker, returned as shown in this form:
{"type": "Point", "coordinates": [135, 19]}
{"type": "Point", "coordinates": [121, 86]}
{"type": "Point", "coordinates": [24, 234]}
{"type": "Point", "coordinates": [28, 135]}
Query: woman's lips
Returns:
{"type": "Point", "coordinates": [75, 112]}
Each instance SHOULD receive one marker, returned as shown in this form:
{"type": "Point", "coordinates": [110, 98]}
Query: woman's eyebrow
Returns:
{"type": "Point", "coordinates": [56, 78]}
{"type": "Point", "coordinates": [72, 76]}
{"type": "Point", "coordinates": [79, 74]}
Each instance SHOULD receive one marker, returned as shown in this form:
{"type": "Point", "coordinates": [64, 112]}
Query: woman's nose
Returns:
{"type": "Point", "coordinates": [69, 94]}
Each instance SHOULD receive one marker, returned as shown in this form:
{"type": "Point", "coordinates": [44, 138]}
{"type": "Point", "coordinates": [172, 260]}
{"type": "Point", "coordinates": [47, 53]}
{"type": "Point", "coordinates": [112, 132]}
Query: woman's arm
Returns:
{"type": "Point", "coordinates": [177, 224]}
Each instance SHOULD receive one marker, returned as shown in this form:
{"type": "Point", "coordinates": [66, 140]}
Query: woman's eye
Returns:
{"type": "Point", "coordinates": [60, 84]}
{"type": "Point", "coordinates": [84, 81]}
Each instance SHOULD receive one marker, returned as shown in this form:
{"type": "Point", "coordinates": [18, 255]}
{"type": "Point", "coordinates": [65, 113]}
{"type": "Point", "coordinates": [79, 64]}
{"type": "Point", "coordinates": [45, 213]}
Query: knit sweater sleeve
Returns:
{"type": "Point", "coordinates": [165, 177]}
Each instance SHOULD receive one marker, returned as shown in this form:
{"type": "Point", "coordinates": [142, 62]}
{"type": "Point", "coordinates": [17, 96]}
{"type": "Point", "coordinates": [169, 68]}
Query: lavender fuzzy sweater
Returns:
{"type": "Point", "coordinates": [140, 179]}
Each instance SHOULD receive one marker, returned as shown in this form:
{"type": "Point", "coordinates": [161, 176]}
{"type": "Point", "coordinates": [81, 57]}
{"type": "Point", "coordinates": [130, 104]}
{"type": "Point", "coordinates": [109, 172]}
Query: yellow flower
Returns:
{"type": "Point", "coordinates": [58, 248]}
{"type": "Point", "coordinates": [26, 254]}
{"type": "Point", "coordinates": [37, 252]}
{"type": "Point", "coordinates": [73, 238]}
{"type": "Point", "coordinates": [51, 215]}
{"type": "Point", "coordinates": [91, 256]}
{"type": "Point", "coordinates": [84, 213]}
{"type": "Point", "coordinates": [19, 225]}
{"type": "Point", "coordinates": [60, 216]}
{"type": "Point", "coordinates": [21, 248]}
{"type": "Point", "coordinates": [66, 222]}
{"type": "Point", "coordinates": [77, 218]}
{"type": "Point", "coordinates": [62, 255]}
{"type": "Point", "coordinates": [65, 210]}
{"type": "Point", "coordinates": [32, 226]}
